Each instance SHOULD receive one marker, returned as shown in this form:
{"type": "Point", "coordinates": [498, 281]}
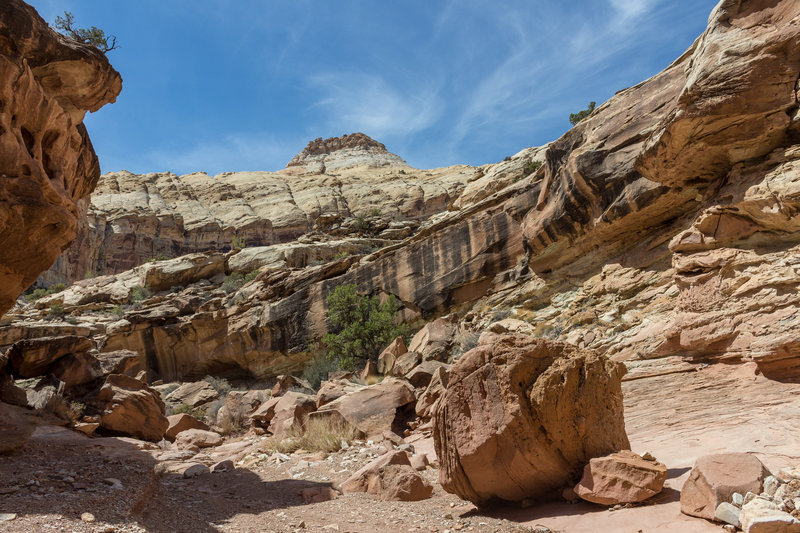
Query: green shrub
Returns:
{"type": "Point", "coordinates": [361, 326]}
{"type": "Point", "coordinates": [39, 293]}
{"type": "Point", "coordinates": [118, 310]}
{"type": "Point", "coordinates": [56, 311]}
{"type": "Point", "coordinates": [93, 36]}
{"type": "Point", "coordinates": [159, 257]}
{"type": "Point", "coordinates": [238, 242]}
{"type": "Point", "coordinates": [139, 293]}
{"type": "Point", "coordinates": [375, 212]}
{"type": "Point", "coordinates": [236, 280]}
{"type": "Point", "coordinates": [574, 118]}
{"type": "Point", "coordinates": [507, 158]}
{"type": "Point", "coordinates": [221, 385]}
{"type": "Point", "coordinates": [317, 369]}
{"type": "Point", "coordinates": [361, 224]}
{"type": "Point", "coordinates": [197, 412]}
{"type": "Point", "coordinates": [532, 167]}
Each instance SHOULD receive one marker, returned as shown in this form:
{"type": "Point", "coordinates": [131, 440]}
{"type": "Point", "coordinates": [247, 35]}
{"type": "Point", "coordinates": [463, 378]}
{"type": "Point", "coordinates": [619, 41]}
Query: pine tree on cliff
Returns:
{"type": "Point", "coordinates": [93, 36]}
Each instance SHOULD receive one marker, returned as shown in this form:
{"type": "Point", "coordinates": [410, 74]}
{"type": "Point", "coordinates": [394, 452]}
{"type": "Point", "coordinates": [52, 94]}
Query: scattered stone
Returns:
{"type": "Point", "coordinates": [223, 466]}
{"type": "Point", "coordinates": [113, 483]}
{"type": "Point", "coordinates": [87, 428]}
{"type": "Point", "coordinates": [194, 470]}
{"type": "Point", "coordinates": [621, 477]}
{"type": "Point", "coordinates": [419, 462]}
{"type": "Point", "coordinates": [88, 517]}
{"type": "Point", "coordinates": [360, 481]}
{"type": "Point", "coordinates": [715, 478]}
{"type": "Point", "coordinates": [737, 499]}
{"type": "Point", "coordinates": [763, 516]}
{"type": "Point", "coordinates": [318, 495]}
{"type": "Point", "coordinates": [7, 517]}
{"type": "Point", "coordinates": [728, 513]}
{"type": "Point", "coordinates": [197, 437]}
{"type": "Point", "coordinates": [397, 482]}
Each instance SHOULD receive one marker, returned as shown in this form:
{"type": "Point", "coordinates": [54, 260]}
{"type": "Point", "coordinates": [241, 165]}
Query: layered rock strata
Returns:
{"type": "Point", "coordinates": [47, 163]}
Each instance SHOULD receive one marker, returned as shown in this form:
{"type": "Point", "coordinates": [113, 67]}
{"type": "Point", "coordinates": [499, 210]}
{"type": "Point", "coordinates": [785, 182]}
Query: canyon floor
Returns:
{"type": "Point", "coordinates": [677, 417]}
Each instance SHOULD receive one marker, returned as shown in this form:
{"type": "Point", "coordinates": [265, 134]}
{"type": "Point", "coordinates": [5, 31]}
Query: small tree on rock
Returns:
{"type": "Point", "coordinates": [93, 36]}
{"type": "Point", "coordinates": [574, 118]}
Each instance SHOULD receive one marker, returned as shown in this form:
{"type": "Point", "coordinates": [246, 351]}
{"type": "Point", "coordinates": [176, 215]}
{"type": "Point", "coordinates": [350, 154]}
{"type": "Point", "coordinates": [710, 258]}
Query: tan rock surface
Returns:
{"type": "Point", "coordinates": [373, 409]}
{"type": "Point", "coordinates": [714, 479]}
{"type": "Point", "coordinates": [47, 83]}
{"type": "Point", "coordinates": [387, 357]}
{"type": "Point", "coordinates": [201, 438]}
{"type": "Point", "coordinates": [130, 407]}
{"type": "Point", "coordinates": [180, 423]}
{"type": "Point", "coordinates": [621, 477]}
{"type": "Point", "coordinates": [400, 483]}
{"type": "Point", "coordinates": [521, 417]}
{"type": "Point", "coordinates": [360, 480]}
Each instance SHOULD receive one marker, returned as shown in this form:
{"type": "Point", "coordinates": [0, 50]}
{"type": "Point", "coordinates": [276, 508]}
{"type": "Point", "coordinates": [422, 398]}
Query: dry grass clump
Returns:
{"type": "Point", "coordinates": [321, 434]}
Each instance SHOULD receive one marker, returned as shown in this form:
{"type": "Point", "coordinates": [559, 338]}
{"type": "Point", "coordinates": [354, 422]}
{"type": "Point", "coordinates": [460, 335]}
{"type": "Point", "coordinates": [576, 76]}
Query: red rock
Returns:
{"type": "Point", "coordinates": [435, 339]}
{"type": "Point", "coordinates": [621, 477]}
{"type": "Point", "coordinates": [132, 408]}
{"type": "Point", "coordinates": [286, 383]}
{"type": "Point", "coordinates": [30, 358]}
{"type": "Point", "coordinates": [284, 414]}
{"type": "Point", "coordinates": [521, 416]}
{"type": "Point", "coordinates": [432, 393]}
{"type": "Point", "coordinates": [406, 363]}
{"type": "Point", "coordinates": [197, 437]}
{"type": "Point", "coordinates": [373, 409]}
{"type": "Point", "coordinates": [714, 478]}
{"type": "Point", "coordinates": [360, 481]}
{"type": "Point", "coordinates": [333, 389]}
{"type": "Point", "coordinates": [400, 483]}
{"type": "Point", "coordinates": [182, 422]}
{"type": "Point", "coordinates": [388, 356]}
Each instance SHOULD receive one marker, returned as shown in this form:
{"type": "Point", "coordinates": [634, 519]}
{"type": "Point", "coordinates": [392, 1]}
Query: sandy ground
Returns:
{"type": "Point", "coordinates": [677, 418]}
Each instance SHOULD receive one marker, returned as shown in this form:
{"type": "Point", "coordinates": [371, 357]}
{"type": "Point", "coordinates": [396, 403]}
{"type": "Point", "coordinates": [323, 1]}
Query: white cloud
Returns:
{"type": "Point", "coordinates": [631, 9]}
{"type": "Point", "coordinates": [239, 152]}
{"type": "Point", "coordinates": [368, 103]}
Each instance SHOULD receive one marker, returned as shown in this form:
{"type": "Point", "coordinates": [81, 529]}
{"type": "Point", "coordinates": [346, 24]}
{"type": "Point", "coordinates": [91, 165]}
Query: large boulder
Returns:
{"type": "Point", "coordinates": [400, 483]}
{"type": "Point", "coordinates": [182, 422]}
{"type": "Point", "coordinates": [432, 393]}
{"type": "Point", "coordinates": [285, 383]}
{"type": "Point", "coordinates": [420, 376]}
{"type": "Point", "coordinates": [714, 479]}
{"type": "Point", "coordinates": [193, 394]}
{"type": "Point", "coordinates": [77, 369]}
{"type": "Point", "coordinates": [360, 481]}
{"type": "Point", "coordinates": [435, 339]}
{"type": "Point", "coordinates": [521, 416]}
{"type": "Point", "coordinates": [373, 409]}
{"type": "Point", "coordinates": [197, 437]}
{"type": "Point", "coordinates": [125, 362]}
{"type": "Point", "coordinates": [285, 414]}
{"type": "Point", "coordinates": [388, 356]}
{"type": "Point", "coordinates": [333, 389]}
{"type": "Point", "coordinates": [621, 477]}
{"type": "Point", "coordinates": [128, 406]}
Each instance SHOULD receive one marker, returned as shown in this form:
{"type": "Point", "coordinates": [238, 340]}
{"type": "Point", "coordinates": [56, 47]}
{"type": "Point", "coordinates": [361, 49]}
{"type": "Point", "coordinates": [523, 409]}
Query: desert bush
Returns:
{"type": "Point", "coordinates": [237, 280]}
{"type": "Point", "coordinates": [37, 294]}
{"type": "Point", "coordinates": [93, 35]}
{"type": "Point", "coordinates": [375, 212]}
{"type": "Point", "coordinates": [320, 434]}
{"type": "Point", "coordinates": [56, 311]}
{"type": "Point", "coordinates": [361, 224]}
{"type": "Point", "coordinates": [238, 242]}
{"type": "Point", "coordinates": [118, 310]}
{"type": "Point", "coordinates": [221, 385]}
{"type": "Point", "coordinates": [159, 257]}
{"type": "Point", "coordinates": [197, 412]}
{"type": "Point", "coordinates": [361, 326]}
{"type": "Point", "coordinates": [532, 167]}
{"type": "Point", "coordinates": [574, 118]}
{"type": "Point", "coordinates": [317, 369]}
{"type": "Point", "coordinates": [139, 293]}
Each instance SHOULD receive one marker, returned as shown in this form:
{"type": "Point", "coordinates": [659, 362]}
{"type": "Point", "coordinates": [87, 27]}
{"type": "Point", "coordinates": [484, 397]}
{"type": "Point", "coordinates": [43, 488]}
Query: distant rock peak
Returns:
{"type": "Point", "coordinates": [348, 146]}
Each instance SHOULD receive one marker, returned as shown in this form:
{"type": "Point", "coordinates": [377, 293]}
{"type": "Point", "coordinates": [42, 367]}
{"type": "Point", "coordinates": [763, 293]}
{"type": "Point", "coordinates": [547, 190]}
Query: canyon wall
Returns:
{"type": "Point", "coordinates": [47, 163]}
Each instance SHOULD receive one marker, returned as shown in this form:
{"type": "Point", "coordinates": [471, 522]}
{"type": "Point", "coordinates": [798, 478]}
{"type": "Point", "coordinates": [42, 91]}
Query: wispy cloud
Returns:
{"type": "Point", "coordinates": [354, 101]}
{"type": "Point", "coordinates": [240, 152]}
{"type": "Point", "coordinates": [631, 9]}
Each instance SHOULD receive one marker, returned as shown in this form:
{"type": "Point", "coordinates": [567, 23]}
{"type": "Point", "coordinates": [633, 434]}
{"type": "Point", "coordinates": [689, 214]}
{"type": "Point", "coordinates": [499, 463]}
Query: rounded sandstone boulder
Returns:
{"type": "Point", "coordinates": [521, 416]}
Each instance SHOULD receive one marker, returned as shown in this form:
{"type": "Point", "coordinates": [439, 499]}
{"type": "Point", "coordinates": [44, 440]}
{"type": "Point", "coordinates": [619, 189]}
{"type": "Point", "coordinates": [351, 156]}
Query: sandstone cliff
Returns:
{"type": "Point", "coordinates": [661, 230]}
{"type": "Point", "coordinates": [47, 164]}
{"type": "Point", "coordinates": [133, 218]}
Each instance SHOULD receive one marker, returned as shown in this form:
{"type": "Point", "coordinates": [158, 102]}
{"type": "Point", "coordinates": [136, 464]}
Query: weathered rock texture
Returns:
{"type": "Point", "coordinates": [47, 164]}
{"type": "Point", "coordinates": [715, 478]}
{"type": "Point", "coordinates": [621, 477]}
{"type": "Point", "coordinates": [521, 417]}
{"type": "Point", "coordinates": [661, 230]}
{"type": "Point", "coordinates": [133, 218]}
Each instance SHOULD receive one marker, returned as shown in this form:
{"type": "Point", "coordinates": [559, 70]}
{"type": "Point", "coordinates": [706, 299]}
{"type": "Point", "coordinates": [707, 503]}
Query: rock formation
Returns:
{"type": "Point", "coordinates": [47, 163]}
{"type": "Point", "coordinates": [521, 417]}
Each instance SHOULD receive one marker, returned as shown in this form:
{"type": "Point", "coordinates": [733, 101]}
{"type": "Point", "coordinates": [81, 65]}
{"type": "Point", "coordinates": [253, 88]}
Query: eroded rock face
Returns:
{"type": "Point", "coordinates": [128, 406]}
{"type": "Point", "coordinates": [47, 164]}
{"type": "Point", "coordinates": [521, 417]}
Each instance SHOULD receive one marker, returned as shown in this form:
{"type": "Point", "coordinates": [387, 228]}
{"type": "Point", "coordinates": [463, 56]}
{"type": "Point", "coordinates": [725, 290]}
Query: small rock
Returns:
{"type": "Point", "coordinates": [87, 517]}
{"type": "Point", "coordinates": [763, 516]}
{"type": "Point", "coordinates": [771, 485]}
{"type": "Point", "coordinates": [729, 528]}
{"type": "Point", "coordinates": [7, 517]}
{"type": "Point", "coordinates": [749, 497]}
{"type": "Point", "coordinates": [737, 499]}
{"type": "Point", "coordinates": [195, 470]}
{"type": "Point", "coordinates": [728, 513]}
{"type": "Point", "coordinates": [419, 462]}
{"type": "Point", "coordinates": [223, 466]}
{"type": "Point", "coordinates": [113, 483]}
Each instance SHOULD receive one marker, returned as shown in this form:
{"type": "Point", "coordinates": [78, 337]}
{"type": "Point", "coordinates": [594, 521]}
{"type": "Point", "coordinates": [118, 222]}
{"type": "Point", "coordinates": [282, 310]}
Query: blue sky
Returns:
{"type": "Point", "coordinates": [229, 85]}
